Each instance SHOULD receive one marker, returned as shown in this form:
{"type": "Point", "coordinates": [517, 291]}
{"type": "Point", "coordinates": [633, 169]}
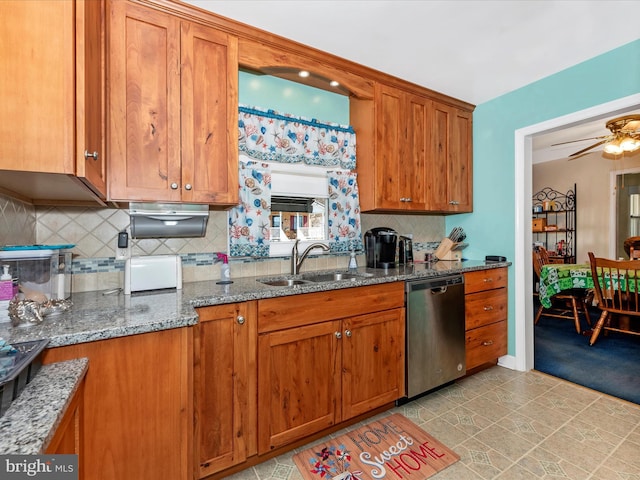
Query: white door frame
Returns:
{"type": "Point", "coordinates": [523, 269]}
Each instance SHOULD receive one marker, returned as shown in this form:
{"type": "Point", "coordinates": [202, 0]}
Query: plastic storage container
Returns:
{"type": "Point", "coordinates": [42, 274]}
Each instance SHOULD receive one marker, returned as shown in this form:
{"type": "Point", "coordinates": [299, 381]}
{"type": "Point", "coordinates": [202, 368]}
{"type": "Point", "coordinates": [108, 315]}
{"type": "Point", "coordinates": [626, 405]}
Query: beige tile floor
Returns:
{"type": "Point", "coordinates": [516, 426]}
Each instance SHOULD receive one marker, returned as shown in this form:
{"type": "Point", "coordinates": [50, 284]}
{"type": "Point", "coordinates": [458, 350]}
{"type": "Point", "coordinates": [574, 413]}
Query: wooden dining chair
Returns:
{"type": "Point", "coordinates": [566, 305]}
{"type": "Point", "coordinates": [632, 247]}
{"type": "Point", "coordinates": [616, 284]}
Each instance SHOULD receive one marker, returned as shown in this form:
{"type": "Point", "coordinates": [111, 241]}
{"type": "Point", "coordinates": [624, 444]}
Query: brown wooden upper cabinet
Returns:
{"type": "Point", "coordinates": [392, 147]}
{"type": "Point", "coordinates": [414, 153]}
{"type": "Point", "coordinates": [173, 99]}
{"type": "Point", "coordinates": [449, 172]}
{"type": "Point", "coordinates": [51, 113]}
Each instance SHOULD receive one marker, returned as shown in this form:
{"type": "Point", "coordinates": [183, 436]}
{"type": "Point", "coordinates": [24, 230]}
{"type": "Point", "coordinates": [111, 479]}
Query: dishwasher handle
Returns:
{"type": "Point", "coordinates": [438, 284]}
{"type": "Point", "coordinates": [438, 290]}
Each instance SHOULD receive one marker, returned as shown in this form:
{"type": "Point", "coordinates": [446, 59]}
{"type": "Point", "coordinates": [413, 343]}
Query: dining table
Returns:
{"type": "Point", "coordinates": [557, 277]}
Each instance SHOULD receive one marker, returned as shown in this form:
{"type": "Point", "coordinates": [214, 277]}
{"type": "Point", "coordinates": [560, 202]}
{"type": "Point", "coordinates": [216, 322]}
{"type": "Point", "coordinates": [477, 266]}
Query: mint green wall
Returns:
{"type": "Point", "coordinates": [295, 98]}
{"type": "Point", "coordinates": [491, 227]}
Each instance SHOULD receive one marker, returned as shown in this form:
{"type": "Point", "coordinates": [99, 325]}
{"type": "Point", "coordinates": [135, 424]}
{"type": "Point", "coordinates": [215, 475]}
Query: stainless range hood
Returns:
{"type": "Point", "coordinates": [168, 220]}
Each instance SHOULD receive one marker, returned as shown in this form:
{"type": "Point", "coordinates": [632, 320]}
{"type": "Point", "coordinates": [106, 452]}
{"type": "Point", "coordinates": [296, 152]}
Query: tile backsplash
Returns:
{"type": "Point", "coordinates": [94, 232]}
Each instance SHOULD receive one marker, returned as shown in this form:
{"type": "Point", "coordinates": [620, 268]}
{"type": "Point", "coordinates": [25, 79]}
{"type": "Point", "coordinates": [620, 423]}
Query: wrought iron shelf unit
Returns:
{"type": "Point", "coordinates": [554, 223]}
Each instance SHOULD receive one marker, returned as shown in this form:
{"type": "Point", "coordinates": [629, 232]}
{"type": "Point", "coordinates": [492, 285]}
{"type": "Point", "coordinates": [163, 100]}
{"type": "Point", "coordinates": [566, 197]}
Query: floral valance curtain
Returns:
{"type": "Point", "coordinates": [345, 231]}
{"type": "Point", "coordinates": [266, 135]}
{"type": "Point", "coordinates": [249, 221]}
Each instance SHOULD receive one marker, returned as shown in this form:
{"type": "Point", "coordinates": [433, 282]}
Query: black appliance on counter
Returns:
{"type": "Point", "coordinates": [405, 251]}
{"type": "Point", "coordinates": [380, 247]}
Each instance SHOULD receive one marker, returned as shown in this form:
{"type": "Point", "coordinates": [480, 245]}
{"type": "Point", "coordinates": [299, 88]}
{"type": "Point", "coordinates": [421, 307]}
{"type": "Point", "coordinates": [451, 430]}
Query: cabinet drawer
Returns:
{"type": "Point", "coordinates": [486, 344]}
{"type": "Point", "coordinates": [485, 280]}
{"type": "Point", "coordinates": [483, 308]}
{"type": "Point", "coordinates": [305, 309]}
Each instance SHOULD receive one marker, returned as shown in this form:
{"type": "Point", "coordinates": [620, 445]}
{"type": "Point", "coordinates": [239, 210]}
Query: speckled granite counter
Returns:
{"type": "Point", "coordinates": [28, 425]}
{"type": "Point", "coordinates": [30, 422]}
{"type": "Point", "coordinates": [95, 316]}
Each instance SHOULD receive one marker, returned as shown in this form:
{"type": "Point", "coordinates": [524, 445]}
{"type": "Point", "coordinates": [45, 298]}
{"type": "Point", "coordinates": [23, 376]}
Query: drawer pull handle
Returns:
{"type": "Point", "coordinates": [487, 343]}
{"type": "Point", "coordinates": [488, 308]}
{"type": "Point", "coordinates": [488, 279]}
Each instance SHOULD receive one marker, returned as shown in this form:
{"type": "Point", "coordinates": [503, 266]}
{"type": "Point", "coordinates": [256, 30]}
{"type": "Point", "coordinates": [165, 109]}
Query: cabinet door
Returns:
{"type": "Point", "coordinates": [401, 149]}
{"type": "Point", "coordinates": [137, 405]}
{"type": "Point", "coordinates": [90, 96]}
{"type": "Point", "coordinates": [298, 383]}
{"type": "Point", "coordinates": [389, 141]}
{"type": "Point", "coordinates": [37, 86]}
{"type": "Point", "coordinates": [449, 186]}
{"type": "Point", "coordinates": [225, 386]}
{"type": "Point", "coordinates": [372, 361]}
{"type": "Point", "coordinates": [209, 115]}
{"type": "Point", "coordinates": [144, 100]}
{"type": "Point", "coordinates": [413, 159]}
{"type": "Point", "coordinates": [68, 437]}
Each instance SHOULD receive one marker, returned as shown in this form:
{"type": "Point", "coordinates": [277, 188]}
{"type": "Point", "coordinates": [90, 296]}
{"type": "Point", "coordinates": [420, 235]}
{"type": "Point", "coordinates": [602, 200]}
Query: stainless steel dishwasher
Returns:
{"type": "Point", "coordinates": [435, 352]}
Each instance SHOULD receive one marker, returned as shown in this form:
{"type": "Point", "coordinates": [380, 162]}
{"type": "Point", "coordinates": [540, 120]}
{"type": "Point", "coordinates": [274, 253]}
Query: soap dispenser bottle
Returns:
{"type": "Point", "coordinates": [353, 262]}
{"type": "Point", "coordinates": [225, 272]}
{"type": "Point", "coordinates": [6, 284]}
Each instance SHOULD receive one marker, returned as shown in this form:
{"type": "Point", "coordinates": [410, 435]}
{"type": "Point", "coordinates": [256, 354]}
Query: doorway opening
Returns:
{"type": "Point", "coordinates": [523, 359]}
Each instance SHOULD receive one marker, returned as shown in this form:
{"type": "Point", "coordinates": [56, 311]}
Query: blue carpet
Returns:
{"type": "Point", "coordinates": [611, 366]}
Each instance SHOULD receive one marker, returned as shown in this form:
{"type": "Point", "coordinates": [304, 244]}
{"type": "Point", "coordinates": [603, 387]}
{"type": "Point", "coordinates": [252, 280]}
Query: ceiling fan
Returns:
{"type": "Point", "coordinates": [624, 137]}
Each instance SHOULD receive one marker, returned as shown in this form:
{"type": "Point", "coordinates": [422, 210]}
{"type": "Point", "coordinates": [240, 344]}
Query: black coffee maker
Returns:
{"type": "Point", "coordinates": [380, 247]}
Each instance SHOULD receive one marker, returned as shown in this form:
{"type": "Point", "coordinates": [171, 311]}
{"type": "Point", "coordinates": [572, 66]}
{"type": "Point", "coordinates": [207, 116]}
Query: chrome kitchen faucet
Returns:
{"type": "Point", "coordinates": [296, 259]}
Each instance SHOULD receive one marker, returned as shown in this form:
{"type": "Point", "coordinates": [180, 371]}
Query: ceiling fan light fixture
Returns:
{"type": "Point", "coordinates": [613, 147]}
{"type": "Point", "coordinates": [629, 144]}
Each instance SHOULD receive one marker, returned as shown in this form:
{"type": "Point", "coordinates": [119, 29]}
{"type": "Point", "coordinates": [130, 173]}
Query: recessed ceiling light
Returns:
{"type": "Point", "coordinates": [333, 83]}
{"type": "Point", "coordinates": [303, 73]}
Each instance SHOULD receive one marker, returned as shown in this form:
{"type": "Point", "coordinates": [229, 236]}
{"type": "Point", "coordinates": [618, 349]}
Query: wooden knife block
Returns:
{"type": "Point", "coordinates": [445, 250]}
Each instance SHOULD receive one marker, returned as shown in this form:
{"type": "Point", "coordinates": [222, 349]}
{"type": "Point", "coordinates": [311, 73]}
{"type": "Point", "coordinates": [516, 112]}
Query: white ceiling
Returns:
{"type": "Point", "coordinates": [468, 49]}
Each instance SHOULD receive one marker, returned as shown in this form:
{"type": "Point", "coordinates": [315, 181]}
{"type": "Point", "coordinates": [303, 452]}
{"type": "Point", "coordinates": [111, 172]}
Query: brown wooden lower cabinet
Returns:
{"type": "Point", "coordinates": [486, 316]}
{"type": "Point", "coordinates": [69, 436]}
{"type": "Point", "coordinates": [314, 376]}
{"type": "Point", "coordinates": [137, 405]}
{"type": "Point", "coordinates": [224, 387]}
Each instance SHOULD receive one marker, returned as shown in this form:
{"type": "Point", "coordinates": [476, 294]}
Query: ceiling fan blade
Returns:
{"type": "Point", "coordinates": [579, 152]}
{"type": "Point", "coordinates": [582, 140]}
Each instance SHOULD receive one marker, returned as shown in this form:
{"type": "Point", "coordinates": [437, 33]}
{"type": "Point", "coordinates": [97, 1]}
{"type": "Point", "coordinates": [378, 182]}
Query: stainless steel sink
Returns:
{"type": "Point", "coordinates": [283, 282]}
{"type": "Point", "coordinates": [334, 276]}
{"type": "Point", "coordinates": [312, 277]}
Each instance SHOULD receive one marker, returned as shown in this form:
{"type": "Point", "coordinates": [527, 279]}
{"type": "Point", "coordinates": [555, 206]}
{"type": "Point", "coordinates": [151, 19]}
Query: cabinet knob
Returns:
{"type": "Point", "coordinates": [487, 343]}
{"type": "Point", "coordinates": [240, 320]}
{"type": "Point", "coordinates": [93, 155]}
{"type": "Point", "coordinates": [187, 186]}
{"type": "Point", "coordinates": [488, 308]}
{"type": "Point", "coordinates": [338, 335]}
{"type": "Point", "coordinates": [174, 186]}
{"type": "Point", "coordinates": [454, 202]}
{"type": "Point", "coordinates": [347, 332]}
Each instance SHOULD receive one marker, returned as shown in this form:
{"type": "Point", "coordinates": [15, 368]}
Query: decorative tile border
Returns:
{"type": "Point", "coordinates": [110, 264]}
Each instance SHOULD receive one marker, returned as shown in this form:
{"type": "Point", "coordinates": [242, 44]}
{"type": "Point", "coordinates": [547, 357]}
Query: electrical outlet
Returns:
{"type": "Point", "coordinates": [122, 253]}
{"type": "Point", "coordinates": [122, 246]}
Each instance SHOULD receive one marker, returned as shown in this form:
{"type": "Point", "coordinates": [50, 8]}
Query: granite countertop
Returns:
{"type": "Point", "coordinates": [97, 316]}
{"type": "Point", "coordinates": [27, 427]}
{"type": "Point", "coordinates": [29, 424]}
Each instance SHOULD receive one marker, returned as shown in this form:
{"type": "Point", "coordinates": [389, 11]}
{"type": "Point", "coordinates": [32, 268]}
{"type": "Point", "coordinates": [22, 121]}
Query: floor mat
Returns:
{"type": "Point", "coordinates": [391, 448]}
